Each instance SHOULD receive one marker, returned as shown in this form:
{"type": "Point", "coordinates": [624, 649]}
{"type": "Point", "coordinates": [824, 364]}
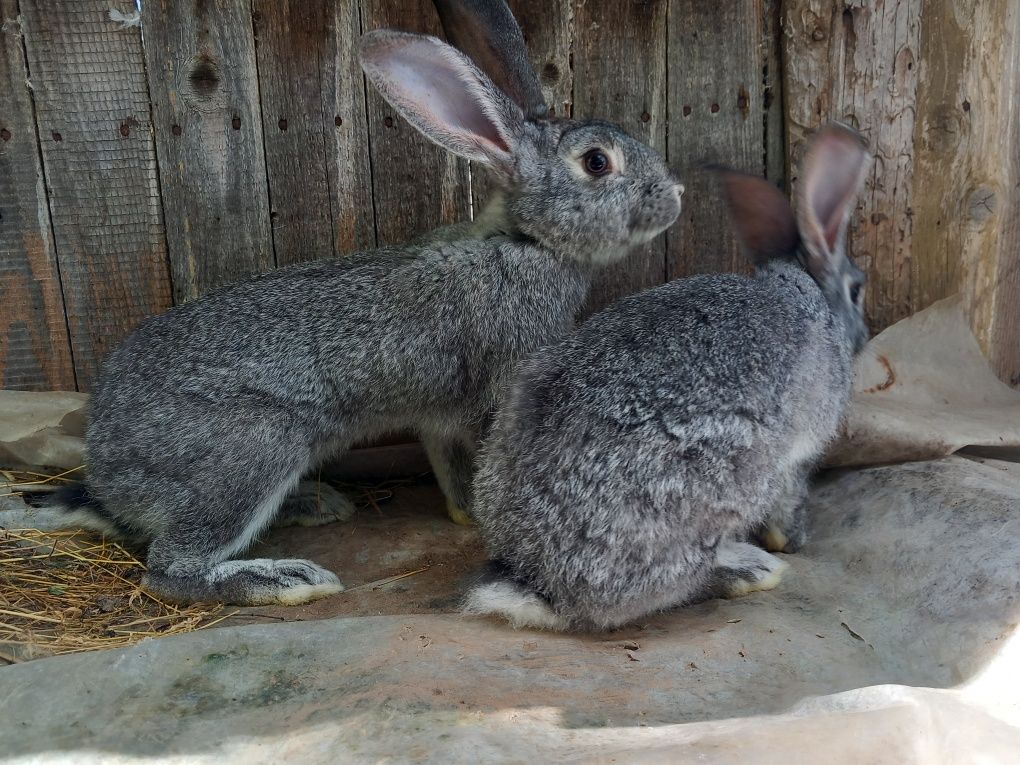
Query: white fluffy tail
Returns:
{"type": "Point", "coordinates": [519, 606]}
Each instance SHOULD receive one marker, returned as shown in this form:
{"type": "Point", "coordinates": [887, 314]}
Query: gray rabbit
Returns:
{"type": "Point", "coordinates": [206, 418]}
{"type": "Point", "coordinates": [629, 458]}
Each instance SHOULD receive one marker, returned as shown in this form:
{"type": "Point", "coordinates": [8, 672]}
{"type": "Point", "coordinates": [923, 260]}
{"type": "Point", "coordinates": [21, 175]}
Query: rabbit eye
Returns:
{"type": "Point", "coordinates": [855, 293]}
{"type": "Point", "coordinates": [596, 163]}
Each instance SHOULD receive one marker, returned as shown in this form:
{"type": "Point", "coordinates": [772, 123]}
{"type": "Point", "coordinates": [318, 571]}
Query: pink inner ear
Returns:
{"type": "Point", "coordinates": [835, 164]}
{"type": "Point", "coordinates": [446, 95]}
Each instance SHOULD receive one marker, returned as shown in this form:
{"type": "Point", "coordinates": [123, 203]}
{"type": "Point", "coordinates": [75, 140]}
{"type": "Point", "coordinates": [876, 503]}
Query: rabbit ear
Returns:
{"type": "Point", "coordinates": [834, 168]}
{"type": "Point", "coordinates": [761, 215]}
{"type": "Point", "coordinates": [439, 91]}
{"type": "Point", "coordinates": [487, 32]}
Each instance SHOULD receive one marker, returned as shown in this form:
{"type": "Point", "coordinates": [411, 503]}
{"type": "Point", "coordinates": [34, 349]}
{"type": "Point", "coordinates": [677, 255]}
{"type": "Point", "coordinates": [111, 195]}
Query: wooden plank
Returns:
{"type": "Point", "coordinates": [92, 109]}
{"type": "Point", "coordinates": [772, 95]}
{"type": "Point", "coordinates": [966, 213]}
{"type": "Point", "coordinates": [380, 462]}
{"type": "Point", "coordinates": [320, 181]}
{"type": "Point", "coordinates": [941, 141]}
{"type": "Point", "coordinates": [547, 28]}
{"type": "Point", "coordinates": [857, 64]}
{"type": "Point", "coordinates": [35, 350]}
{"type": "Point", "coordinates": [717, 56]}
{"type": "Point", "coordinates": [1002, 296]}
{"type": "Point", "coordinates": [416, 185]}
{"type": "Point", "coordinates": [619, 54]}
{"type": "Point", "coordinates": [200, 58]}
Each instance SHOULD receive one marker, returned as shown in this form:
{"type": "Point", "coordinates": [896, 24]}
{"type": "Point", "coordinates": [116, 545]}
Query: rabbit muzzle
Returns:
{"type": "Point", "coordinates": [658, 211]}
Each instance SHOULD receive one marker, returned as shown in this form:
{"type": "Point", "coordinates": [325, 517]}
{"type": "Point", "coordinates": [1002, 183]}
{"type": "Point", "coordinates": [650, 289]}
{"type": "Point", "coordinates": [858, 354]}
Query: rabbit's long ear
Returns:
{"type": "Point", "coordinates": [487, 32]}
{"type": "Point", "coordinates": [834, 168]}
{"type": "Point", "coordinates": [439, 91]}
{"type": "Point", "coordinates": [761, 215]}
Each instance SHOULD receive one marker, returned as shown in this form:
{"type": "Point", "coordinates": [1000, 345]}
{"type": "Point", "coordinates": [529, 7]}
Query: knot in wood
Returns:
{"type": "Point", "coordinates": [981, 204]}
{"type": "Point", "coordinates": [201, 83]}
{"type": "Point", "coordinates": [550, 74]}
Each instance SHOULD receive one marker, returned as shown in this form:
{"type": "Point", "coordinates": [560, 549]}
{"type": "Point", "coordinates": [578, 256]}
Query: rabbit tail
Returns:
{"type": "Point", "coordinates": [499, 595]}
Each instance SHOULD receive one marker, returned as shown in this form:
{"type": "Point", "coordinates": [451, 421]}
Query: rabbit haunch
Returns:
{"type": "Point", "coordinates": [206, 417]}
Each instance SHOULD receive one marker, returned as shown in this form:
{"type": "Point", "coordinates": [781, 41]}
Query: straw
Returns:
{"type": "Point", "coordinates": [68, 591]}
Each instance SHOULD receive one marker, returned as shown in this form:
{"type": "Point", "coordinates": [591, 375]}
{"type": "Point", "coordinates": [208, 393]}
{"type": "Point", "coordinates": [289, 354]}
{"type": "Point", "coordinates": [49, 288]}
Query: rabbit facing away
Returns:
{"type": "Point", "coordinates": [206, 418]}
{"type": "Point", "coordinates": [630, 459]}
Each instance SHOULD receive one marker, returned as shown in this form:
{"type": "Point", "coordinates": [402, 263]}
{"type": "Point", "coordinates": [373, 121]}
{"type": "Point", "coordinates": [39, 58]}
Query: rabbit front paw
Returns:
{"type": "Point", "coordinates": [775, 538]}
{"type": "Point", "coordinates": [314, 504]}
{"type": "Point", "coordinates": [785, 530]}
{"type": "Point", "coordinates": [458, 515]}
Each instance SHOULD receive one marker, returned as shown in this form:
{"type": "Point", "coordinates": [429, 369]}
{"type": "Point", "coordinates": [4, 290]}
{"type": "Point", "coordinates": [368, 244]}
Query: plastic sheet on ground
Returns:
{"type": "Point", "coordinates": [922, 389]}
{"type": "Point", "coordinates": [891, 639]}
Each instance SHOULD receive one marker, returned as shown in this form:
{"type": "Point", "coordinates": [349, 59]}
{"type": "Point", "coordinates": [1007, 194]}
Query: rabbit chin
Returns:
{"type": "Point", "coordinates": [643, 235]}
{"type": "Point", "coordinates": [612, 252]}
{"type": "Point", "coordinates": [605, 256]}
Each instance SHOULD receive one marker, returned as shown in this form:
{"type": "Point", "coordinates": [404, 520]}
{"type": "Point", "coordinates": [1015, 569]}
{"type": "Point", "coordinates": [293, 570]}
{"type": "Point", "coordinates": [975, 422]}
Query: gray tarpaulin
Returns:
{"type": "Point", "coordinates": [892, 638]}
{"type": "Point", "coordinates": [924, 390]}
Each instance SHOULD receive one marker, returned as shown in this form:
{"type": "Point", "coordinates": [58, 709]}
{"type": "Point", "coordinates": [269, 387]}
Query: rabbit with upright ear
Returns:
{"type": "Point", "coordinates": [629, 458]}
{"type": "Point", "coordinates": [207, 417]}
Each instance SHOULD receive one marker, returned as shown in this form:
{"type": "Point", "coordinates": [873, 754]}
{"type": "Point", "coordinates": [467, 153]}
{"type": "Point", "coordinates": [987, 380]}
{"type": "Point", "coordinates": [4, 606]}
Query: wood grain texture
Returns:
{"type": "Point", "coordinates": [200, 56]}
{"type": "Point", "coordinates": [857, 63]}
{"type": "Point", "coordinates": [417, 186]}
{"type": "Point", "coordinates": [92, 105]}
{"type": "Point", "coordinates": [966, 206]}
{"type": "Point", "coordinates": [1002, 306]}
{"type": "Point", "coordinates": [35, 350]}
{"type": "Point", "coordinates": [619, 54]}
{"type": "Point", "coordinates": [717, 60]}
{"type": "Point", "coordinates": [772, 96]}
{"type": "Point", "coordinates": [547, 28]}
{"type": "Point", "coordinates": [320, 181]}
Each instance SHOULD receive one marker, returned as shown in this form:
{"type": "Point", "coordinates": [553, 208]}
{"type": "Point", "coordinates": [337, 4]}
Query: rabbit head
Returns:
{"type": "Point", "coordinates": [584, 189]}
{"type": "Point", "coordinates": [834, 168]}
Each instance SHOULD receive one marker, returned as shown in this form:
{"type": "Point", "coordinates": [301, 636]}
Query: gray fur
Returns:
{"type": "Point", "coordinates": [488, 32]}
{"type": "Point", "coordinates": [207, 416]}
{"type": "Point", "coordinates": [629, 455]}
{"type": "Point", "coordinates": [314, 504]}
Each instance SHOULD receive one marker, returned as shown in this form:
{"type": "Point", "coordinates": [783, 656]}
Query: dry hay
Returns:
{"type": "Point", "coordinates": [67, 591]}
{"type": "Point", "coordinates": [15, 483]}
{"type": "Point", "coordinates": [70, 591]}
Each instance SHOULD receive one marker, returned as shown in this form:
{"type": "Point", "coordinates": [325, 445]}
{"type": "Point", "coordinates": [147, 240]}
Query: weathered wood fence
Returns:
{"type": "Point", "coordinates": [146, 160]}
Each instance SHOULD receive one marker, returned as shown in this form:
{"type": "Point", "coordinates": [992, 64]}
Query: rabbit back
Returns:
{"type": "Point", "coordinates": [423, 338]}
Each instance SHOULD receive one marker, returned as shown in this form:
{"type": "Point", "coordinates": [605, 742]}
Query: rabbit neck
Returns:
{"type": "Point", "coordinates": [496, 220]}
{"type": "Point", "coordinates": [493, 219]}
{"type": "Point", "coordinates": [788, 275]}
{"type": "Point", "coordinates": [583, 259]}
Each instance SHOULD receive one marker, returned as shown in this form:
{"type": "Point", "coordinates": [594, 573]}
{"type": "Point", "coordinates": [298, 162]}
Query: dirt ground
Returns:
{"type": "Point", "coordinates": [404, 534]}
